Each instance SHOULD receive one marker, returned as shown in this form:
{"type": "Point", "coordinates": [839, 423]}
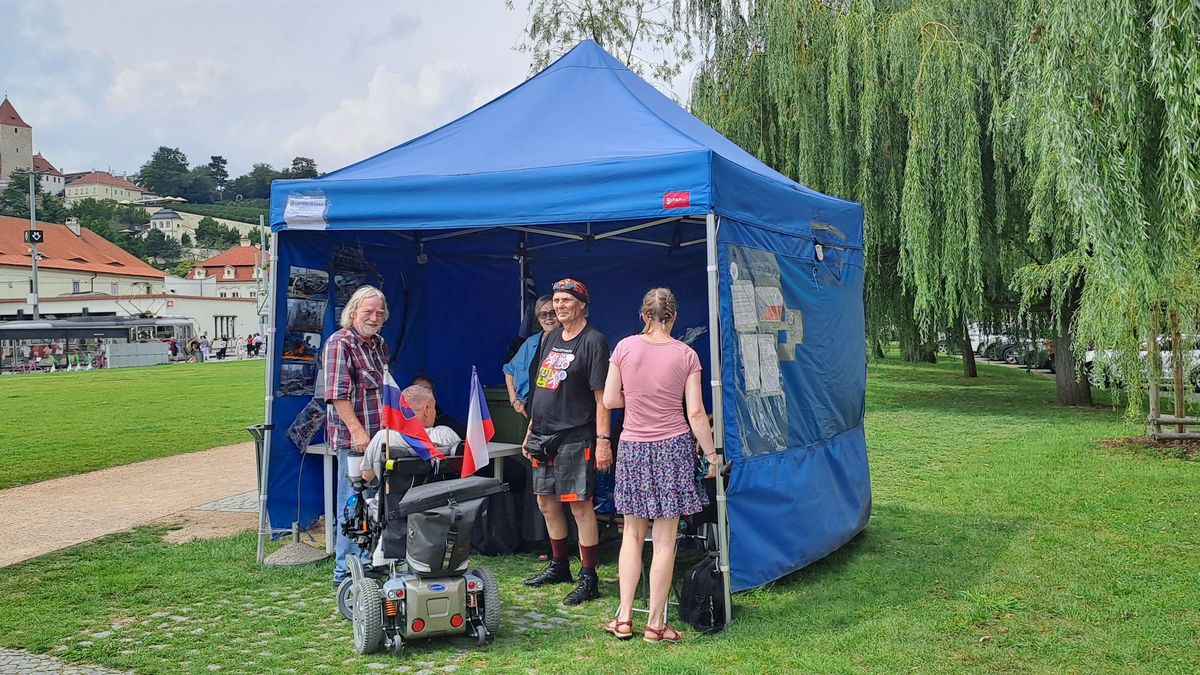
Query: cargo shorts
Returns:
{"type": "Point", "coordinates": [571, 475]}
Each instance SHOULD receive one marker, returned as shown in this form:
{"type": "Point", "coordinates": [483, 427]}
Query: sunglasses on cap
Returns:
{"type": "Point", "coordinates": [568, 285]}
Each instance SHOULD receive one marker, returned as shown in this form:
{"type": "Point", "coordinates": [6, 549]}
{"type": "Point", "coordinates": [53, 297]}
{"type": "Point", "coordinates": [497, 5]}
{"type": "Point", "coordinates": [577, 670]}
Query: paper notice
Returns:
{"type": "Point", "coordinates": [768, 364]}
{"type": "Point", "coordinates": [305, 212]}
{"type": "Point", "coordinates": [744, 315]}
{"type": "Point", "coordinates": [750, 348]}
{"type": "Point", "coordinates": [769, 303]}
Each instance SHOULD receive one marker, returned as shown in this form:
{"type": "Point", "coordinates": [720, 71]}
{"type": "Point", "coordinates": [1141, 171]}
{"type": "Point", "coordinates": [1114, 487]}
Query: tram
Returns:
{"type": "Point", "coordinates": [77, 343]}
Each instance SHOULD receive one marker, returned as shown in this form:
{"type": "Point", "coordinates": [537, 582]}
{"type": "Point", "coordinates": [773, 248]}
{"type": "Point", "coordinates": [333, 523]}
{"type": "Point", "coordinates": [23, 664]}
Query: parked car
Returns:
{"type": "Point", "coordinates": [1104, 366]}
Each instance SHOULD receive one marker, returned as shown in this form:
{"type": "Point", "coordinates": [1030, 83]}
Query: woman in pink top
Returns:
{"type": "Point", "coordinates": [651, 375]}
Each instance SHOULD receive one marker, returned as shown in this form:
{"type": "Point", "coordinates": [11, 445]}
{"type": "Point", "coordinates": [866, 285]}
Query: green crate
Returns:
{"type": "Point", "coordinates": [510, 425]}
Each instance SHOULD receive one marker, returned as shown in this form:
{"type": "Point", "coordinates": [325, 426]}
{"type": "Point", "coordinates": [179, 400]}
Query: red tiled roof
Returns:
{"type": "Point", "coordinates": [43, 165]}
{"type": "Point", "coordinates": [9, 116]}
{"type": "Point", "coordinates": [89, 252]}
{"type": "Point", "coordinates": [105, 178]}
{"type": "Point", "coordinates": [242, 258]}
{"type": "Point", "coordinates": [238, 255]}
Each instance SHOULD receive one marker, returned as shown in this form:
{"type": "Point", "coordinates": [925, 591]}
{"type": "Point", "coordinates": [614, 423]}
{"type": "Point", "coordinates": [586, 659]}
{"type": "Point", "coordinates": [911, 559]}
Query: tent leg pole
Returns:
{"type": "Point", "coordinates": [714, 348]}
{"type": "Point", "coordinates": [522, 272]}
{"type": "Point", "coordinates": [264, 521]}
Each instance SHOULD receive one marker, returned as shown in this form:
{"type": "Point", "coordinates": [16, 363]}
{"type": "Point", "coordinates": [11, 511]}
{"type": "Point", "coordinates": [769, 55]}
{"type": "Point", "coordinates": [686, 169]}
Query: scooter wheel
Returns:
{"type": "Point", "coordinates": [368, 618]}
{"type": "Point", "coordinates": [345, 598]}
{"type": "Point", "coordinates": [491, 602]}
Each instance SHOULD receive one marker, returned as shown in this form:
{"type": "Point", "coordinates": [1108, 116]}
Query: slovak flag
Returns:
{"type": "Point", "coordinates": [398, 416]}
{"type": "Point", "coordinates": [479, 429]}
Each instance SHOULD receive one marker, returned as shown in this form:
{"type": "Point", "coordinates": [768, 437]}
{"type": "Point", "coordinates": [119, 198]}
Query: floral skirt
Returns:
{"type": "Point", "coordinates": [657, 479]}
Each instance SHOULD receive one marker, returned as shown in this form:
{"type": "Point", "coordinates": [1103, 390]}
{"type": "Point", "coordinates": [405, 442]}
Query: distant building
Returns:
{"type": "Point", "coordinates": [80, 274]}
{"type": "Point", "coordinates": [236, 271]}
{"type": "Point", "coordinates": [101, 185]}
{"type": "Point", "coordinates": [16, 141]}
{"type": "Point", "coordinates": [53, 181]}
{"type": "Point", "coordinates": [73, 260]}
{"type": "Point", "coordinates": [169, 222]}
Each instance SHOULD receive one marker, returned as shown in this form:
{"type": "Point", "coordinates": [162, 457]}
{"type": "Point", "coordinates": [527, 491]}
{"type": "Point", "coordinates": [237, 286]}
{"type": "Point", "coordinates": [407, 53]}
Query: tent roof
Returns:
{"type": "Point", "coordinates": [586, 139]}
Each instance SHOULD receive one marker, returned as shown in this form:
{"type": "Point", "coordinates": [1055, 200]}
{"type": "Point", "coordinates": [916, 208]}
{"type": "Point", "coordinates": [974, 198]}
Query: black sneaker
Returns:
{"type": "Point", "coordinates": [557, 572]}
{"type": "Point", "coordinates": [588, 588]}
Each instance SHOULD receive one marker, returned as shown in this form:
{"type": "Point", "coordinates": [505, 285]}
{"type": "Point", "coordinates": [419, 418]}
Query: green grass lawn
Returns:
{"type": "Point", "coordinates": [61, 423]}
{"type": "Point", "coordinates": [1004, 539]}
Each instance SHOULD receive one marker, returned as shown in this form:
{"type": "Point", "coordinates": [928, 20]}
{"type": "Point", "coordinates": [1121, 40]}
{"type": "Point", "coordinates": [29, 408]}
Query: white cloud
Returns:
{"type": "Point", "coordinates": [104, 84]}
{"type": "Point", "coordinates": [393, 110]}
{"type": "Point", "coordinates": [150, 84]}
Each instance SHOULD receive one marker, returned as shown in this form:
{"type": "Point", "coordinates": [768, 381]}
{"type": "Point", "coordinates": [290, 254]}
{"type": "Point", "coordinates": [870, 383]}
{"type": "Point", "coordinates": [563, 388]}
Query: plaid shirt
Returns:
{"type": "Point", "coordinates": [354, 371]}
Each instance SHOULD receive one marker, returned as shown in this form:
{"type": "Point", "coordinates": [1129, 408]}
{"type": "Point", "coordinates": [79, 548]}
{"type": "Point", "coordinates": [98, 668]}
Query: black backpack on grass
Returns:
{"type": "Point", "coordinates": [702, 600]}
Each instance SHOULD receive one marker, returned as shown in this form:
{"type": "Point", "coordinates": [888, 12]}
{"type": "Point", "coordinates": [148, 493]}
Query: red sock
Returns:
{"type": "Point", "coordinates": [589, 554]}
{"type": "Point", "coordinates": [558, 549]}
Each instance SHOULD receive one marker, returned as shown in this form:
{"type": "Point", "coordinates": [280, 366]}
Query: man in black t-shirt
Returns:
{"type": "Point", "coordinates": [566, 409]}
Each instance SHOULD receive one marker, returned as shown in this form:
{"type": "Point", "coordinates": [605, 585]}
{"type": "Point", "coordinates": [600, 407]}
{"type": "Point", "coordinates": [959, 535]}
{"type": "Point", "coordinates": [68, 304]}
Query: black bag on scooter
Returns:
{"type": "Point", "coordinates": [702, 600]}
{"type": "Point", "coordinates": [441, 517]}
{"type": "Point", "coordinates": [496, 531]}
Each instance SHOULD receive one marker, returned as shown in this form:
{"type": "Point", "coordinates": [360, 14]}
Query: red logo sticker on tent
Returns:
{"type": "Point", "coordinates": [677, 200]}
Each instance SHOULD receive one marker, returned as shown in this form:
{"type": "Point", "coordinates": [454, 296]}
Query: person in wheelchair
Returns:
{"type": "Point", "coordinates": [423, 402]}
{"type": "Point", "coordinates": [390, 444]}
{"type": "Point", "coordinates": [418, 527]}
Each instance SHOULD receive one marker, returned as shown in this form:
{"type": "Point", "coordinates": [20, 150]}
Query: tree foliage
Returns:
{"type": "Point", "coordinates": [1031, 151]}
{"type": "Point", "coordinates": [302, 167]}
{"type": "Point", "coordinates": [118, 223]}
{"type": "Point", "coordinates": [254, 184]}
{"type": "Point", "coordinates": [645, 35]}
{"type": "Point", "coordinates": [161, 248]}
{"type": "Point", "coordinates": [14, 200]}
{"type": "Point", "coordinates": [1099, 121]}
{"type": "Point", "coordinates": [218, 169]}
{"type": "Point", "coordinates": [184, 268]}
{"type": "Point", "coordinates": [888, 104]}
{"type": "Point", "coordinates": [166, 173]}
{"type": "Point", "coordinates": [208, 233]}
{"type": "Point", "coordinates": [211, 234]}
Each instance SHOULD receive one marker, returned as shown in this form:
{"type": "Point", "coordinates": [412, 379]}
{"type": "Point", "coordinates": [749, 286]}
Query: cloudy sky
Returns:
{"type": "Point", "coordinates": [103, 84]}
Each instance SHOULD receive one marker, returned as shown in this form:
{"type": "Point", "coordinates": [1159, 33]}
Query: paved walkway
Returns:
{"type": "Point", "coordinates": [26, 663]}
{"type": "Point", "coordinates": [90, 505]}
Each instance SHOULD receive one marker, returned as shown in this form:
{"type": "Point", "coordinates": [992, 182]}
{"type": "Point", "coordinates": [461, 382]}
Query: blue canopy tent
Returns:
{"type": "Point", "coordinates": [585, 170]}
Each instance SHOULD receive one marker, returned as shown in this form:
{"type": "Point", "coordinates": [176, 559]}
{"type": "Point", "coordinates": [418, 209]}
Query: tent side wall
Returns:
{"type": "Point", "coordinates": [794, 383]}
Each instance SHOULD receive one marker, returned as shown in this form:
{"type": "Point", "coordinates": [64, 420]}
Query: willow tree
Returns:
{"type": "Point", "coordinates": [885, 103]}
{"type": "Point", "coordinates": [889, 104]}
{"type": "Point", "coordinates": [1100, 124]}
{"type": "Point", "coordinates": [1039, 151]}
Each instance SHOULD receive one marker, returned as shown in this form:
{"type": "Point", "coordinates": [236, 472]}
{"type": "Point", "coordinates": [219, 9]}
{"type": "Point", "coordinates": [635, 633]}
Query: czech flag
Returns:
{"type": "Point", "coordinates": [397, 415]}
{"type": "Point", "coordinates": [479, 429]}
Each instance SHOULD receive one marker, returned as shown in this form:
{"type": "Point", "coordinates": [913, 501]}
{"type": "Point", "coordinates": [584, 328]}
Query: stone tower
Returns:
{"type": "Point", "coordinates": [16, 141]}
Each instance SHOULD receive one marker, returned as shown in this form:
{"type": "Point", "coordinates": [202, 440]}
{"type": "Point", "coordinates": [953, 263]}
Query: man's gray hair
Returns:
{"type": "Point", "coordinates": [357, 299]}
{"type": "Point", "coordinates": [417, 395]}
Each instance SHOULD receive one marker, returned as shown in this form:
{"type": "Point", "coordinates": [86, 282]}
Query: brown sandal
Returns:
{"type": "Point", "coordinates": [664, 634]}
{"type": "Point", "coordinates": [615, 625]}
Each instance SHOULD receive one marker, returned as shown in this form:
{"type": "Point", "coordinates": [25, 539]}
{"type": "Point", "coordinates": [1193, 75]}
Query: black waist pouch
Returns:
{"type": "Point", "coordinates": [543, 447]}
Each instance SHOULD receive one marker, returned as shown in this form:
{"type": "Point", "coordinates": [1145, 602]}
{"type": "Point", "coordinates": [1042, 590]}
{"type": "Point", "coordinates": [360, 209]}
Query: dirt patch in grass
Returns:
{"type": "Point", "coordinates": [1175, 449]}
{"type": "Point", "coordinates": [196, 524]}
